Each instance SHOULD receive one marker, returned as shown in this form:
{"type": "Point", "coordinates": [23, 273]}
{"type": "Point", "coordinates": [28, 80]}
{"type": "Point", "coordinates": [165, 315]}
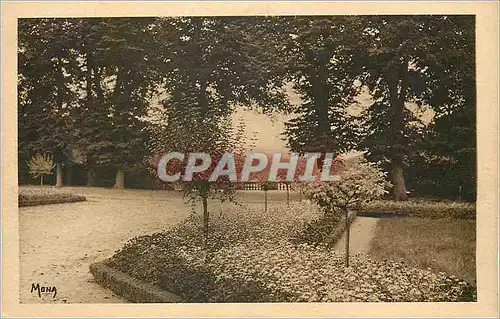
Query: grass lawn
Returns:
{"type": "Point", "coordinates": [447, 245]}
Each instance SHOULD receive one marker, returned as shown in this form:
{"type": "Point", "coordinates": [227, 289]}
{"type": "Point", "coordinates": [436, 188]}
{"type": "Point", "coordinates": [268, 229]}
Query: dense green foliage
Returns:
{"type": "Point", "coordinates": [406, 64]}
{"type": "Point", "coordinates": [45, 196]}
{"type": "Point", "coordinates": [88, 88]}
{"type": "Point", "coordinates": [422, 208]}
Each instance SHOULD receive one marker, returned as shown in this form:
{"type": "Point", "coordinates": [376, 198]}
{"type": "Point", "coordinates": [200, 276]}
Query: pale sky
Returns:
{"type": "Point", "coordinates": [269, 128]}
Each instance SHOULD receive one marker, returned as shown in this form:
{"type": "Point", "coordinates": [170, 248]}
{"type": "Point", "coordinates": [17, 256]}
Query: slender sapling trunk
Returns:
{"type": "Point", "coordinates": [287, 195]}
{"type": "Point", "coordinates": [348, 231]}
{"type": "Point", "coordinates": [206, 217]}
{"type": "Point", "coordinates": [265, 200]}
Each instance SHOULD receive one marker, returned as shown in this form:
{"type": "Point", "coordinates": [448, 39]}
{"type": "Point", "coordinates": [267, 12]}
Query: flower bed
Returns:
{"type": "Point", "coordinates": [421, 208]}
{"type": "Point", "coordinates": [32, 196]}
{"type": "Point", "coordinates": [256, 257]}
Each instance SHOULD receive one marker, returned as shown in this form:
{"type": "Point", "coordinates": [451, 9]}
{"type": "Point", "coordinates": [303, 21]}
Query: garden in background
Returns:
{"type": "Point", "coordinates": [393, 97]}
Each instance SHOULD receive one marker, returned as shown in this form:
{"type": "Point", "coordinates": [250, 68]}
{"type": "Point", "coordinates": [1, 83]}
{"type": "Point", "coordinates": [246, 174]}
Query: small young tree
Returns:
{"type": "Point", "coordinates": [265, 186]}
{"type": "Point", "coordinates": [360, 182]}
{"type": "Point", "coordinates": [282, 178]}
{"type": "Point", "coordinates": [214, 136]}
{"type": "Point", "coordinates": [40, 165]}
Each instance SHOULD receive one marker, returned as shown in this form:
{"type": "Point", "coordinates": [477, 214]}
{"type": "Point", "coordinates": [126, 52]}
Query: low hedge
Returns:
{"type": "Point", "coordinates": [46, 196]}
{"type": "Point", "coordinates": [129, 288]}
{"type": "Point", "coordinates": [422, 208]}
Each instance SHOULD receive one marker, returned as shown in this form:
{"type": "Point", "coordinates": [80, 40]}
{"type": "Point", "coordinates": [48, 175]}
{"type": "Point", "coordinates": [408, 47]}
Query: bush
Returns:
{"type": "Point", "coordinates": [40, 165]}
{"type": "Point", "coordinates": [252, 259]}
{"type": "Point", "coordinates": [45, 196]}
{"type": "Point", "coordinates": [360, 182]}
{"type": "Point", "coordinates": [422, 208]}
{"type": "Point", "coordinates": [317, 231]}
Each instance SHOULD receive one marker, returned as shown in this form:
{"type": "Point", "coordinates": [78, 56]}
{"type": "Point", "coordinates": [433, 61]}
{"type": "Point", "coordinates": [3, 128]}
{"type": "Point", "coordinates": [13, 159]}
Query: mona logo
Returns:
{"type": "Point", "coordinates": [43, 290]}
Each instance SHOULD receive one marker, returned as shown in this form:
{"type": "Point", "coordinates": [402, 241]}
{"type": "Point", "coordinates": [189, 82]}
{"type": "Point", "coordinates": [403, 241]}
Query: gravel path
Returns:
{"type": "Point", "coordinates": [58, 242]}
{"type": "Point", "coordinates": [362, 233]}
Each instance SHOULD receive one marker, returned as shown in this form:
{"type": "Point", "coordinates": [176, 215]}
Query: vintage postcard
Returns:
{"type": "Point", "coordinates": [260, 159]}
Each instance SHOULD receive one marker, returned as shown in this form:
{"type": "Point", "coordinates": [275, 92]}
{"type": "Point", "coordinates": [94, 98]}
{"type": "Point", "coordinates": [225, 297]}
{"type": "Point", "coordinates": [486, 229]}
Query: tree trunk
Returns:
{"type": "Point", "coordinates": [91, 177]}
{"type": "Point", "coordinates": [399, 183]}
{"type": "Point", "coordinates": [41, 179]}
{"type": "Point", "coordinates": [59, 175]}
{"type": "Point", "coordinates": [287, 195]}
{"type": "Point", "coordinates": [397, 101]}
{"type": "Point", "coordinates": [120, 179]}
{"type": "Point", "coordinates": [206, 218]}
{"type": "Point", "coordinates": [265, 200]}
{"type": "Point", "coordinates": [69, 174]}
{"type": "Point", "coordinates": [348, 232]}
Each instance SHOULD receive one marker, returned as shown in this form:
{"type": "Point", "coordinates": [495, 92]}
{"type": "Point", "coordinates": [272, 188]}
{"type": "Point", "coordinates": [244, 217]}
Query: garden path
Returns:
{"type": "Point", "coordinates": [362, 233]}
{"type": "Point", "coordinates": [59, 242]}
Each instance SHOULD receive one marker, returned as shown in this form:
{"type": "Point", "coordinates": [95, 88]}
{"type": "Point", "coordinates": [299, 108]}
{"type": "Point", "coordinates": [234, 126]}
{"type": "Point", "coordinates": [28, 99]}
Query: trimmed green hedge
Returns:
{"type": "Point", "coordinates": [422, 208]}
{"type": "Point", "coordinates": [46, 196]}
{"type": "Point", "coordinates": [129, 288]}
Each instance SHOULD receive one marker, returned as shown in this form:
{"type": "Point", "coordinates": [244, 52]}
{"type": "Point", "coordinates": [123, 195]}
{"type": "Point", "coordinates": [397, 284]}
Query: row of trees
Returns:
{"type": "Point", "coordinates": [88, 84]}
{"type": "Point", "coordinates": [425, 60]}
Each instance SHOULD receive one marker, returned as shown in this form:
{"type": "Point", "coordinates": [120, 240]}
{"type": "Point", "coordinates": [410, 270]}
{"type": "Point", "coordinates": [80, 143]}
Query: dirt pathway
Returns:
{"type": "Point", "coordinates": [58, 242]}
{"type": "Point", "coordinates": [362, 233]}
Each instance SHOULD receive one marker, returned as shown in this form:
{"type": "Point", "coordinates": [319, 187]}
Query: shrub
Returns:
{"type": "Point", "coordinates": [40, 165]}
{"type": "Point", "coordinates": [316, 231]}
{"type": "Point", "coordinates": [45, 196]}
{"type": "Point", "coordinates": [422, 208]}
{"type": "Point", "coordinates": [360, 182]}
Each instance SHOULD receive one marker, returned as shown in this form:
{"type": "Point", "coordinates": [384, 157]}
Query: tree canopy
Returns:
{"type": "Point", "coordinates": [89, 84]}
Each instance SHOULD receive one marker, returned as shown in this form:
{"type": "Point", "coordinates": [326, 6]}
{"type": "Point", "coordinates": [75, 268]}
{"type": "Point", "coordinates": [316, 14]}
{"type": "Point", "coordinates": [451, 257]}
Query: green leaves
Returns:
{"type": "Point", "coordinates": [46, 64]}
{"type": "Point", "coordinates": [319, 66]}
{"type": "Point", "coordinates": [87, 80]}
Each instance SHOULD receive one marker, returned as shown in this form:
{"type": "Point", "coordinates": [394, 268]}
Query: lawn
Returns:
{"type": "Point", "coordinates": [447, 245]}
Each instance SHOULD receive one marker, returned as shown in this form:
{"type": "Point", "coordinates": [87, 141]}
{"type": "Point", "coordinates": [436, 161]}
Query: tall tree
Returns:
{"type": "Point", "coordinates": [450, 143]}
{"type": "Point", "coordinates": [406, 59]}
{"type": "Point", "coordinates": [322, 71]}
{"type": "Point", "coordinates": [212, 65]}
{"type": "Point", "coordinates": [121, 68]}
{"type": "Point", "coordinates": [47, 65]}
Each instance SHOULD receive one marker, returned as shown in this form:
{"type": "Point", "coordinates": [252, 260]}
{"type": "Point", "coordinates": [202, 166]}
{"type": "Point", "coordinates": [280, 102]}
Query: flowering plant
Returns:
{"type": "Point", "coordinates": [360, 182]}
